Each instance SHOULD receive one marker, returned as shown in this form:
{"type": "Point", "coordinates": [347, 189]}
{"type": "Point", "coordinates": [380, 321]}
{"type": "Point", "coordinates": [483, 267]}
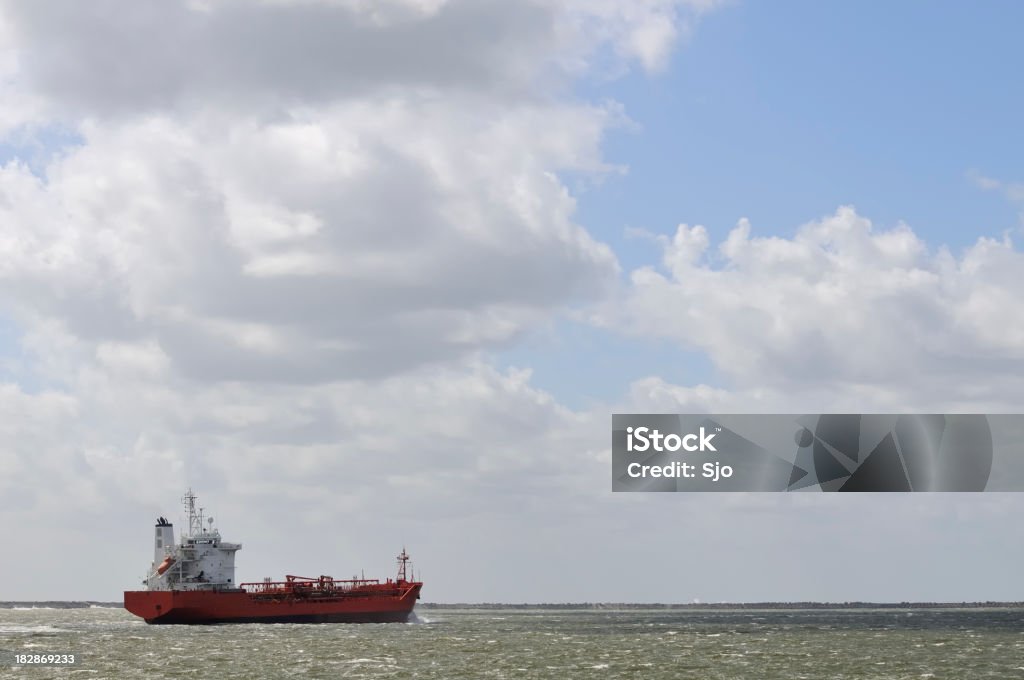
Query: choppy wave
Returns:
{"type": "Point", "coordinates": [60, 604]}
{"type": "Point", "coordinates": [21, 629]}
{"type": "Point", "coordinates": [655, 644]}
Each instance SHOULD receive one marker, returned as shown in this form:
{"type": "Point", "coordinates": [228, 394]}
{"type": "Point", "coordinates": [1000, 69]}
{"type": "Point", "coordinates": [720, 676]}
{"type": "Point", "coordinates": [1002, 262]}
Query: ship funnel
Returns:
{"type": "Point", "coordinates": [163, 541]}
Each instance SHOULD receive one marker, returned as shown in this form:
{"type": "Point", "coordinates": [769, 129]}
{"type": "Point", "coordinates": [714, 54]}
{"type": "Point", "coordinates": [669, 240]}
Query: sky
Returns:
{"type": "Point", "coordinates": [367, 275]}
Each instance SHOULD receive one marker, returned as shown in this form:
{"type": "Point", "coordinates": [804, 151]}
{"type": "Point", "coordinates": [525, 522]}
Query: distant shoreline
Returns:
{"type": "Point", "coordinates": [587, 606]}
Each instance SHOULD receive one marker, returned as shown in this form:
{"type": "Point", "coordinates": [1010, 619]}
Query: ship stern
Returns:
{"type": "Point", "coordinates": [149, 604]}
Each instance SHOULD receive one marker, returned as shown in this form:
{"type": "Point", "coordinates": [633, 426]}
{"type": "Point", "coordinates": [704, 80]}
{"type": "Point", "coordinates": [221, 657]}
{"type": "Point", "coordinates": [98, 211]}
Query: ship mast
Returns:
{"type": "Point", "coordinates": [402, 560]}
{"type": "Point", "coordinates": [195, 517]}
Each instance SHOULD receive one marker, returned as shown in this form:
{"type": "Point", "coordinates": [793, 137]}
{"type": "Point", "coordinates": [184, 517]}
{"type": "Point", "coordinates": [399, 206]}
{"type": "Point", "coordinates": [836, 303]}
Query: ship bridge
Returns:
{"type": "Point", "coordinates": [200, 561]}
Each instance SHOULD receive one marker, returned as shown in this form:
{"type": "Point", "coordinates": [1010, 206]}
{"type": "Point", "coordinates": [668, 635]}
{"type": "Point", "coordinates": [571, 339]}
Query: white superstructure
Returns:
{"type": "Point", "coordinates": [201, 561]}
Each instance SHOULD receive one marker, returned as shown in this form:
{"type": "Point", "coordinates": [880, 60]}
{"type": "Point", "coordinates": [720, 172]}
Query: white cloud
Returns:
{"type": "Point", "coordinates": [1012, 191]}
{"type": "Point", "coordinates": [271, 258]}
{"type": "Point", "coordinates": [370, 463]}
{"type": "Point", "coordinates": [349, 235]}
{"type": "Point", "coordinates": [642, 30]}
{"type": "Point", "coordinates": [321, 176]}
{"type": "Point", "coordinates": [122, 357]}
{"type": "Point", "coordinates": [114, 60]}
{"type": "Point", "coordinates": [840, 307]}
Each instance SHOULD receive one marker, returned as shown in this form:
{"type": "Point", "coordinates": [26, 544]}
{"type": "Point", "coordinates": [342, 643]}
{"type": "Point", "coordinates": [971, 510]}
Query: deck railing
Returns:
{"type": "Point", "coordinates": [305, 585]}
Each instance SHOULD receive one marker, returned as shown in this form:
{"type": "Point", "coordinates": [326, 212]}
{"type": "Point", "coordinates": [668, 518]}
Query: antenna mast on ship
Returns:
{"type": "Point", "coordinates": [402, 560]}
{"type": "Point", "coordinates": [195, 517]}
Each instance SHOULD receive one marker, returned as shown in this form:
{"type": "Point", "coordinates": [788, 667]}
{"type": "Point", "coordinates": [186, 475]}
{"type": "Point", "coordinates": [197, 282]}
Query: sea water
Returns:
{"type": "Point", "coordinates": [534, 643]}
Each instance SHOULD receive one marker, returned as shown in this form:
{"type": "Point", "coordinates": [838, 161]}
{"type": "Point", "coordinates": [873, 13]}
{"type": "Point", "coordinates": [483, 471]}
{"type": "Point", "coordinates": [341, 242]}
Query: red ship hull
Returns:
{"type": "Point", "coordinates": [385, 603]}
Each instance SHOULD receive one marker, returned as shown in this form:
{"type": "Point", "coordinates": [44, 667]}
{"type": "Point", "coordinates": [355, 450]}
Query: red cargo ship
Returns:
{"type": "Point", "coordinates": [193, 582]}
